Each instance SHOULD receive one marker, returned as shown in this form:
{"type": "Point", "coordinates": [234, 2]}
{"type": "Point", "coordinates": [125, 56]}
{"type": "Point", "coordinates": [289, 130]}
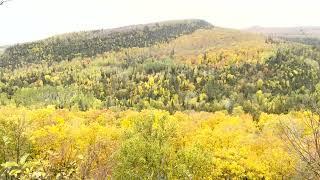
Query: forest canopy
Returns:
{"type": "Point", "coordinates": [169, 100]}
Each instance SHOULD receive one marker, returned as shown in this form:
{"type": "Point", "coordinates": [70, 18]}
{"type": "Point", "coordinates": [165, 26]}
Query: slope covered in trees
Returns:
{"type": "Point", "coordinates": [91, 43]}
{"type": "Point", "coordinates": [259, 77]}
{"type": "Point", "coordinates": [173, 100]}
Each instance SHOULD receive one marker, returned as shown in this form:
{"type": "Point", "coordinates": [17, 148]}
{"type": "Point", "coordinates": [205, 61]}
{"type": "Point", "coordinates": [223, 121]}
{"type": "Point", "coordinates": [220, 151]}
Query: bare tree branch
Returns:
{"type": "Point", "coordinates": [3, 1]}
{"type": "Point", "coordinates": [307, 146]}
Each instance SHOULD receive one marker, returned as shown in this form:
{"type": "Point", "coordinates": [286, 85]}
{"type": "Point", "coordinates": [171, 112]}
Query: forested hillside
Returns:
{"type": "Point", "coordinates": [91, 43]}
{"type": "Point", "coordinates": [170, 100]}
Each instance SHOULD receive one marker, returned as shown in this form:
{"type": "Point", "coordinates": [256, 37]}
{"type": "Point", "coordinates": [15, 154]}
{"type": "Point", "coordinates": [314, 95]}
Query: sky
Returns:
{"type": "Point", "coordinates": [28, 20]}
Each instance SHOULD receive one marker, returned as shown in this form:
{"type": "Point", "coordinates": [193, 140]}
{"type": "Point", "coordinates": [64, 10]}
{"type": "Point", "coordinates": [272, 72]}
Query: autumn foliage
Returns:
{"type": "Point", "coordinates": [172, 100]}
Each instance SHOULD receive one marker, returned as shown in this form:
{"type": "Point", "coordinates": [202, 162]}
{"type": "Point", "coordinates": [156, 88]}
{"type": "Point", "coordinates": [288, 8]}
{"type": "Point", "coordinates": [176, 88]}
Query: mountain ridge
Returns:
{"type": "Point", "coordinates": [90, 43]}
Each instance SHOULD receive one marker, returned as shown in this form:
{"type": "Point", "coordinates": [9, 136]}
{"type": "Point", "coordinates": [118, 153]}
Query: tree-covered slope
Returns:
{"type": "Point", "coordinates": [206, 70]}
{"type": "Point", "coordinates": [220, 46]}
{"type": "Point", "coordinates": [91, 43]}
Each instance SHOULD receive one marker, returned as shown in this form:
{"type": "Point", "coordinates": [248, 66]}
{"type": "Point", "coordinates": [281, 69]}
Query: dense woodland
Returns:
{"type": "Point", "coordinates": [88, 44]}
{"type": "Point", "coordinates": [170, 100]}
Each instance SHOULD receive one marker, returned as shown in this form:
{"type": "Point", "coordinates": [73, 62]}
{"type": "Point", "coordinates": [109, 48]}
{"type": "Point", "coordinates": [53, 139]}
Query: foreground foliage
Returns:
{"type": "Point", "coordinates": [48, 143]}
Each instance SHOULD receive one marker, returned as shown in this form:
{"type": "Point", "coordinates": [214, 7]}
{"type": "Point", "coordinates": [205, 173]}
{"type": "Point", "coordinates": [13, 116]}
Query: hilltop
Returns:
{"type": "Point", "coordinates": [187, 39]}
{"type": "Point", "coordinates": [91, 43]}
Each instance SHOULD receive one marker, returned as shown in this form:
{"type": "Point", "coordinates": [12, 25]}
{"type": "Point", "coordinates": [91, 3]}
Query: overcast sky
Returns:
{"type": "Point", "coordinates": [26, 20]}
